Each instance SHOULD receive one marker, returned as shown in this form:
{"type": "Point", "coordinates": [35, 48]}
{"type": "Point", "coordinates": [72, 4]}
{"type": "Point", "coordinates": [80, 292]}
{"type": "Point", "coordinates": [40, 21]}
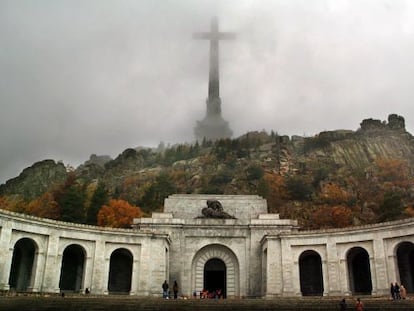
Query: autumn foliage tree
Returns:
{"type": "Point", "coordinates": [393, 171]}
{"type": "Point", "coordinates": [326, 216]}
{"type": "Point", "coordinates": [12, 203]}
{"type": "Point", "coordinates": [332, 193]}
{"type": "Point", "coordinates": [273, 188]}
{"type": "Point", "coordinates": [44, 206]}
{"type": "Point", "coordinates": [118, 214]}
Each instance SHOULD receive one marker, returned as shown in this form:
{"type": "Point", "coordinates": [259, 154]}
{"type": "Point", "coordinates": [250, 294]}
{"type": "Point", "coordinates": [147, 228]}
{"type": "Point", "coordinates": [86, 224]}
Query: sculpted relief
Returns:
{"type": "Point", "coordinates": [214, 209]}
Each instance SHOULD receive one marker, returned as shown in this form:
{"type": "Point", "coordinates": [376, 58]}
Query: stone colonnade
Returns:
{"type": "Point", "coordinates": [250, 257]}
{"type": "Point", "coordinates": [352, 261]}
{"type": "Point", "coordinates": [102, 253]}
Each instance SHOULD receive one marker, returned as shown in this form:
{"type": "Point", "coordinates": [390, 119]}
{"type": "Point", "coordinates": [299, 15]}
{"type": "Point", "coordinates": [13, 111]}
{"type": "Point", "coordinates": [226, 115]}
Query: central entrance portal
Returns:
{"type": "Point", "coordinates": [215, 276]}
{"type": "Point", "coordinates": [215, 267]}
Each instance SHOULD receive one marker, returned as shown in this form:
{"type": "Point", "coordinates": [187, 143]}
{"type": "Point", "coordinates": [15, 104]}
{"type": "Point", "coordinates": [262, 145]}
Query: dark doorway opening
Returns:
{"type": "Point", "coordinates": [120, 272]}
{"type": "Point", "coordinates": [405, 260]}
{"type": "Point", "coordinates": [71, 273]}
{"type": "Point", "coordinates": [311, 279]}
{"type": "Point", "coordinates": [359, 271]}
{"type": "Point", "coordinates": [215, 276]}
{"type": "Point", "coordinates": [22, 265]}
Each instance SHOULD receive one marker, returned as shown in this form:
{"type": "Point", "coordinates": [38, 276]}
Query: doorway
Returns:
{"type": "Point", "coordinates": [71, 273]}
{"type": "Point", "coordinates": [22, 266]}
{"type": "Point", "coordinates": [215, 276]}
{"type": "Point", "coordinates": [311, 278]}
{"type": "Point", "coordinates": [359, 271]}
{"type": "Point", "coordinates": [120, 272]}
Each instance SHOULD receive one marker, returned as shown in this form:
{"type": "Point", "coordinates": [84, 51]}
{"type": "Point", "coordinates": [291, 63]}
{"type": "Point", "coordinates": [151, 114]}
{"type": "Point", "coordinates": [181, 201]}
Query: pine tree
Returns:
{"type": "Point", "coordinates": [100, 197]}
{"type": "Point", "coordinates": [70, 197]}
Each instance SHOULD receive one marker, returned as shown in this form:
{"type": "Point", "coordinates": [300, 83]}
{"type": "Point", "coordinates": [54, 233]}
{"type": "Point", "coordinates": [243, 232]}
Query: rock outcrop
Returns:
{"type": "Point", "coordinates": [35, 180]}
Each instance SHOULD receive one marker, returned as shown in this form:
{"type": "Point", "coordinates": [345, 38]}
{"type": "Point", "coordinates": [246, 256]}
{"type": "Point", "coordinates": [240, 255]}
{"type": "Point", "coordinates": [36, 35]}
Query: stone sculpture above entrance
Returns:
{"type": "Point", "coordinates": [214, 209]}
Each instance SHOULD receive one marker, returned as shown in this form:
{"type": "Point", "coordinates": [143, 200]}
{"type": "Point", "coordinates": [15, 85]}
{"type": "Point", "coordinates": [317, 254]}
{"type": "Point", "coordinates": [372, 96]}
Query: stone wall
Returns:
{"type": "Point", "coordinates": [51, 238]}
{"type": "Point", "coordinates": [264, 256]}
{"type": "Point", "coordinates": [240, 206]}
{"type": "Point", "coordinates": [380, 241]}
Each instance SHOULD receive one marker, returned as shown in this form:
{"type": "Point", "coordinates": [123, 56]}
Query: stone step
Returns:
{"type": "Point", "coordinates": [128, 303]}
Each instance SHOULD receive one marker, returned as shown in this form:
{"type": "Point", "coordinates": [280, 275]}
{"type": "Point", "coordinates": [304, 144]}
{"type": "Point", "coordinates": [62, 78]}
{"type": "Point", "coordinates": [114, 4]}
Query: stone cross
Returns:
{"type": "Point", "coordinates": [214, 36]}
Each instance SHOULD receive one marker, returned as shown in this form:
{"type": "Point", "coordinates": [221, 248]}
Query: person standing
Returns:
{"type": "Point", "coordinates": [359, 305]}
{"type": "Point", "coordinates": [165, 290]}
{"type": "Point", "coordinates": [175, 289]}
{"type": "Point", "coordinates": [392, 291]}
{"type": "Point", "coordinates": [342, 305]}
{"type": "Point", "coordinates": [403, 292]}
{"type": "Point", "coordinates": [397, 291]}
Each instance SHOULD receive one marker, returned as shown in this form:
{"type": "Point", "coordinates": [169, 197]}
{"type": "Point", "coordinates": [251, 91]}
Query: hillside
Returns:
{"type": "Point", "coordinates": [336, 178]}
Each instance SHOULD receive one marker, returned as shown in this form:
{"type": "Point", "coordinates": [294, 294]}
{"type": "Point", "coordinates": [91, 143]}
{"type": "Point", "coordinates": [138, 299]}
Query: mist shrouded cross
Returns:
{"type": "Point", "coordinates": [214, 36]}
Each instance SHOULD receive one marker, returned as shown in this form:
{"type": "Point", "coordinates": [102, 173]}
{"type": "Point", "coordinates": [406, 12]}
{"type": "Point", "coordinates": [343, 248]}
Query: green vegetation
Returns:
{"type": "Point", "coordinates": [319, 190]}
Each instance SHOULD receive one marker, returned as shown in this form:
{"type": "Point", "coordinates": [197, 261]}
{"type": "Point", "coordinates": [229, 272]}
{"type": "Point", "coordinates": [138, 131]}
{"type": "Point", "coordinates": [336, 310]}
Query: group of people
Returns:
{"type": "Point", "coordinates": [359, 306]}
{"type": "Point", "coordinates": [166, 292]}
{"type": "Point", "coordinates": [204, 294]}
{"type": "Point", "coordinates": [398, 291]}
{"type": "Point", "coordinates": [217, 294]}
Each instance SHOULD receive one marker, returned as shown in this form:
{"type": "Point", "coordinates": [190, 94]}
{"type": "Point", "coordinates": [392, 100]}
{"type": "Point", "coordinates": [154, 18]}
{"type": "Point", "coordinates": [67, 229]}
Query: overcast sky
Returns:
{"type": "Point", "coordinates": [96, 76]}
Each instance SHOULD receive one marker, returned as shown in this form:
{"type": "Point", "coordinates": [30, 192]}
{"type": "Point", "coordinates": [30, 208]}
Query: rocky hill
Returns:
{"type": "Point", "coordinates": [342, 171]}
{"type": "Point", "coordinates": [35, 180]}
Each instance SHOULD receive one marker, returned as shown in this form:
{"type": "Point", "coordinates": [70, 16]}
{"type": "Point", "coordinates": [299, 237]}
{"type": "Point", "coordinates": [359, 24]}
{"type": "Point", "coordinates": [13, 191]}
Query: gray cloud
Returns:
{"type": "Point", "coordinates": [82, 77]}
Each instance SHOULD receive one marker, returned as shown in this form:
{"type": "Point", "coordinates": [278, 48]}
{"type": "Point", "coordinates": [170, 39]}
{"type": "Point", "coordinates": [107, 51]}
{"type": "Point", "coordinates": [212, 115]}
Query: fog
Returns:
{"type": "Point", "coordinates": [99, 76]}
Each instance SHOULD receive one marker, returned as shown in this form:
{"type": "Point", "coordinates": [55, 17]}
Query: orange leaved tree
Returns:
{"type": "Point", "coordinates": [118, 214]}
{"type": "Point", "coordinates": [44, 206]}
{"type": "Point", "coordinates": [327, 216]}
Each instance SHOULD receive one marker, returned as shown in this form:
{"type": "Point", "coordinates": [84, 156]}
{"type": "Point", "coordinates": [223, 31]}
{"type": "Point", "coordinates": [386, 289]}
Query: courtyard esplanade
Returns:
{"type": "Point", "coordinates": [256, 254]}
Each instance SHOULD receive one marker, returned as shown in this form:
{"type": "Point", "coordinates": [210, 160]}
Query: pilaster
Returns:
{"type": "Point", "coordinates": [380, 286]}
{"type": "Point", "coordinates": [100, 270]}
{"type": "Point", "coordinates": [274, 268]}
{"type": "Point", "coordinates": [332, 284]}
{"type": "Point", "coordinates": [6, 254]}
{"type": "Point", "coordinates": [52, 264]}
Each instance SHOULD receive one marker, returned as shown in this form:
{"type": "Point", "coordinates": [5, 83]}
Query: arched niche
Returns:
{"type": "Point", "coordinates": [310, 273]}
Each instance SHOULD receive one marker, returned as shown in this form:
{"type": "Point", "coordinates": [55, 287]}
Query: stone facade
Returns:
{"type": "Point", "coordinates": [256, 254]}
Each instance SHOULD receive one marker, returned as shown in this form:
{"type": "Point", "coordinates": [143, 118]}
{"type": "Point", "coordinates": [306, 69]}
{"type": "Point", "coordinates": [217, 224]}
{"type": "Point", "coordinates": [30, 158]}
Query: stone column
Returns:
{"type": "Point", "coordinates": [332, 285]}
{"type": "Point", "coordinates": [88, 272]}
{"type": "Point", "coordinates": [135, 275]}
{"type": "Point", "coordinates": [6, 255]}
{"type": "Point", "coordinates": [290, 279]}
{"type": "Point", "coordinates": [100, 272]}
{"type": "Point", "coordinates": [274, 271]}
{"type": "Point", "coordinates": [154, 259]}
{"type": "Point", "coordinates": [392, 265]}
{"type": "Point", "coordinates": [144, 281]}
{"type": "Point", "coordinates": [53, 264]}
{"type": "Point", "coordinates": [295, 277]}
{"type": "Point", "coordinates": [344, 276]}
{"type": "Point", "coordinates": [38, 272]}
{"type": "Point", "coordinates": [380, 286]}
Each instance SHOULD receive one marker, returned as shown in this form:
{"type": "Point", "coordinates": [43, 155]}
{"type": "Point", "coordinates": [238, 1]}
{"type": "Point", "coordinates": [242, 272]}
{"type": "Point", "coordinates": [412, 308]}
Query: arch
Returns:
{"type": "Point", "coordinates": [359, 271]}
{"type": "Point", "coordinates": [310, 273]}
{"type": "Point", "coordinates": [21, 272]}
{"type": "Point", "coordinates": [120, 271]}
{"type": "Point", "coordinates": [405, 262]}
{"type": "Point", "coordinates": [224, 257]}
{"type": "Point", "coordinates": [72, 270]}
